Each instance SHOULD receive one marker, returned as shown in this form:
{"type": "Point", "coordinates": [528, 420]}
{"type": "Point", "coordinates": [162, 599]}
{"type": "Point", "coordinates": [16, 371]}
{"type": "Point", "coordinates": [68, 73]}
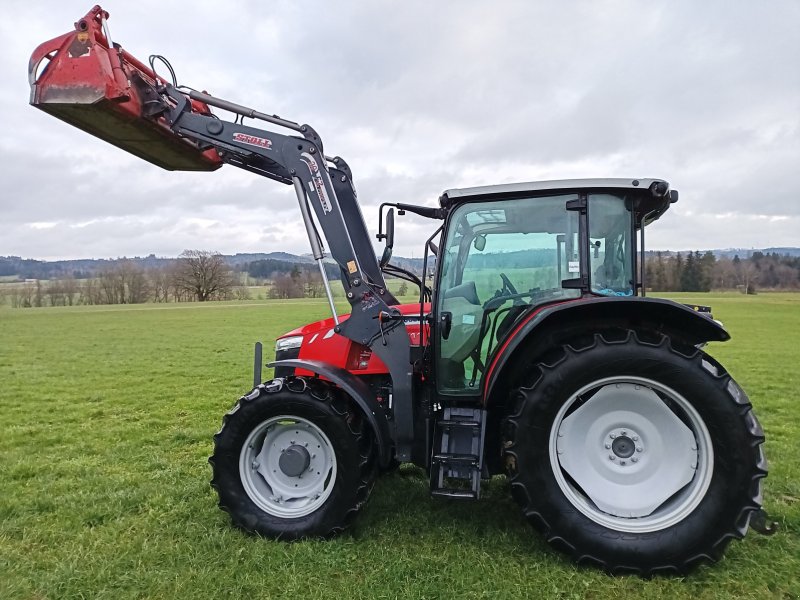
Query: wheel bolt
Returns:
{"type": "Point", "coordinates": [635, 438]}
{"type": "Point", "coordinates": [256, 464]}
{"type": "Point", "coordinates": [639, 449]}
{"type": "Point", "coordinates": [608, 446]}
{"type": "Point", "coordinates": [612, 457]}
{"type": "Point", "coordinates": [634, 459]}
{"type": "Point", "coordinates": [622, 462]}
{"type": "Point", "coordinates": [612, 436]}
{"type": "Point", "coordinates": [623, 432]}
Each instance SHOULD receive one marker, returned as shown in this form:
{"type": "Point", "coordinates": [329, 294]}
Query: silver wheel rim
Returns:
{"type": "Point", "coordinates": [288, 488]}
{"type": "Point", "coordinates": [631, 454]}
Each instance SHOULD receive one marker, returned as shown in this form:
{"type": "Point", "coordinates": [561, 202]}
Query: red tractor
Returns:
{"type": "Point", "coordinates": [532, 351]}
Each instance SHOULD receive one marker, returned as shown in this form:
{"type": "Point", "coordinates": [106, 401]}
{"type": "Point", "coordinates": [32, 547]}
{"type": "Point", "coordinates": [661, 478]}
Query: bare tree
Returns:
{"type": "Point", "coordinates": [159, 284]}
{"type": "Point", "coordinates": [26, 295]}
{"type": "Point", "coordinates": [287, 286]}
{"type": "Point", "coordinates": [123, 283]}
{"type": "Point", "coordinates": [55, 292]}
{"type": "Point", "coordinates": [90, 292]}
{"type": "Point", "coordinates": [204, 275]}
{"type": "Point", "coordinates": [314, 288]}
{"type": "Point", "coordinates": [70, 288]}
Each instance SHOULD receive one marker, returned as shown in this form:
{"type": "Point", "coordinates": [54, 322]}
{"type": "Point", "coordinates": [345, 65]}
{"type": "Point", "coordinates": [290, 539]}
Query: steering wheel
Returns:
{"type": "Point", "coordinates": [507, 284]}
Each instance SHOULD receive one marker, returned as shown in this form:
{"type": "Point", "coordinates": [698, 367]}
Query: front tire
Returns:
{"type": "Point", "coordinates": [293, 460]}
{"type": "Point", "coordinates": [633, 455]}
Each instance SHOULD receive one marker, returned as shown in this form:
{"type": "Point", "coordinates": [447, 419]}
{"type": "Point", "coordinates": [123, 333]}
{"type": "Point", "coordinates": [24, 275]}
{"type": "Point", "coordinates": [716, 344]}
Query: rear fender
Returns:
{"type": "Point", "coordinates": [552, 325]}
{"type": "Point", "coordinates": [361, 395]}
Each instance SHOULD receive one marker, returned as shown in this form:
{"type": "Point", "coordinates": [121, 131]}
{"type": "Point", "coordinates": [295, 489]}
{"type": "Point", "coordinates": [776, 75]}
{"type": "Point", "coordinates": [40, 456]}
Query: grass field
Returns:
{"type": "Point", "coordinates": [107, 415]}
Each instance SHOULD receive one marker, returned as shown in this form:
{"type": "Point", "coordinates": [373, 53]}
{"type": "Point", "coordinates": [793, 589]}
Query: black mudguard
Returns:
{"type": "Point", "coordinates": [554, 324]}
{"type": "Point", "coordinates": [361, 395]}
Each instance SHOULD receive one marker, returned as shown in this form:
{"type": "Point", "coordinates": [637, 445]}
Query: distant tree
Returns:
{"type": "Point", "coordinates": [723, 274]}
{"type": "Point", "coordinates": [746, 274]}
{"type": "Point", "coordinates": [286, 286]}
{"type": "Point", "coordinates": [658, 273]}
{"type": "Point", "coordinates": [88, 292]}
{"type": "Point", "coordinates": [158, 279]}
{"type": "Point", "coordinates": [55, 293]}
{"type": "Point", "coordinates": [204, 275]}
{"type": "Point", "coordinates": [27, 293]}
{"type": "Point", "coordinates": [122, 282]}
{"type": "Point", "coordinates": [241, 292]}
{"type": "Point", "coordinates": [676, 273]}
{"type": "Point", "coordinates": [706, 263]}
{"type": "Point", "coordinates": [403, 289]}
{"type": "Point", "coordinates": [137, 287]}
{"type": "Point", "coordinates": [313, 285]}
{"type": "Point", "coordinates": [70, 289]}
{"type": "Point", "coordinates": [688, 277]}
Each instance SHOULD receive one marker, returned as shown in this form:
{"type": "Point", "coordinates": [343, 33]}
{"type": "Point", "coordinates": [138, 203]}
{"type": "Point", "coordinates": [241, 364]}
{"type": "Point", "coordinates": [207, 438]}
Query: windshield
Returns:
{"type": "Point", "coordinates": [498, 259]}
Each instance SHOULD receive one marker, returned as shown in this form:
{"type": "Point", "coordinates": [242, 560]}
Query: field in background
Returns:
{"type": "Point", "coordinates": [108, 414]}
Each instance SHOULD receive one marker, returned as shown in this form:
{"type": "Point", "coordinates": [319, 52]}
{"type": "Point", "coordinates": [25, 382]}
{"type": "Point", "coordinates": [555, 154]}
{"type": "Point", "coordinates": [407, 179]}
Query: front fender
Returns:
{"type": "Point", "coordinates": [551, 325]}
{"type": "Point", "coordinates": [359, 392]}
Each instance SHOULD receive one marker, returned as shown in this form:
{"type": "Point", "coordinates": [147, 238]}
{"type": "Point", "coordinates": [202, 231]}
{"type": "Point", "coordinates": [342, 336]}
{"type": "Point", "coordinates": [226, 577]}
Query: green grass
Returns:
{"type": "Point", "coordinates": [107, 415]}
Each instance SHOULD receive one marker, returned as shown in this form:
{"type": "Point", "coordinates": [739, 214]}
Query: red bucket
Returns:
{"type": "Point", "coordinates": [82, 79]}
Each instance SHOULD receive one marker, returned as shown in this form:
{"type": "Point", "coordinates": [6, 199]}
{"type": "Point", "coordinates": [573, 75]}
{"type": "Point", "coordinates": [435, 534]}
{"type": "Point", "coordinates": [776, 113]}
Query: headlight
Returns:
{"type": "Point", "coordinates": [289, 343]}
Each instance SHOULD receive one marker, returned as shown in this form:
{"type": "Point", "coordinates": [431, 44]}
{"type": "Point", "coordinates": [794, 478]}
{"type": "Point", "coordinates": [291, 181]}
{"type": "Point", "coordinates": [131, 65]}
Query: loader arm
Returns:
{"type": "Point", "coordinates": [326, 185]}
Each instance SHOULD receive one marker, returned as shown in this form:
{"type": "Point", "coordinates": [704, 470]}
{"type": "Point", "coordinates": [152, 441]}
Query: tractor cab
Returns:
{"type": "Point", "coordinates": [509, 249]}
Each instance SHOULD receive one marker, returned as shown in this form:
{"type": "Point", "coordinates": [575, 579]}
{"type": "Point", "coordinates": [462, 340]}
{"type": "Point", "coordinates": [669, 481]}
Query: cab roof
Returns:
{"type": "Point", "coordinates": [654, 198]}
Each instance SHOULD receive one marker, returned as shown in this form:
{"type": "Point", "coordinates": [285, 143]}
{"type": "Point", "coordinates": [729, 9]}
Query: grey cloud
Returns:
{"type": "Point", "coordinates": [420, 97]}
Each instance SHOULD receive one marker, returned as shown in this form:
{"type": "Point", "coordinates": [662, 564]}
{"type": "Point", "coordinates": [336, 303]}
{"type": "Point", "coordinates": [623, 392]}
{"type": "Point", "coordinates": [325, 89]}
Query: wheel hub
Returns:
{"type": "Point", "coordinates": [623, 447]}
{"type": "Point", "coordinates": [294, 460]}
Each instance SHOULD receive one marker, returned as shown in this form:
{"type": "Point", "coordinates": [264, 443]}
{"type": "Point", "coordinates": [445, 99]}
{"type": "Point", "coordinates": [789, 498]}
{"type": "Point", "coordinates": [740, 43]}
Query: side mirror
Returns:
{"type": "Point", "coordinates": [389, 235]}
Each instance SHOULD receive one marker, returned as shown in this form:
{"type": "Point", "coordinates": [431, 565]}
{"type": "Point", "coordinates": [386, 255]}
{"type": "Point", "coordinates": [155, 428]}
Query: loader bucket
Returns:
{"type": "Point", "coordinates": [94, 85]}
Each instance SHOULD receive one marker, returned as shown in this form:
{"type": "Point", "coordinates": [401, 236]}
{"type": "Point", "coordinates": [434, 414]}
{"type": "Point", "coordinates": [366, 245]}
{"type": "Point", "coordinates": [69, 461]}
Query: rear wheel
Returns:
{"type": "Point", "coordinates": [635, 456]}
{"type": "Point", "coordinates": [293, 459]}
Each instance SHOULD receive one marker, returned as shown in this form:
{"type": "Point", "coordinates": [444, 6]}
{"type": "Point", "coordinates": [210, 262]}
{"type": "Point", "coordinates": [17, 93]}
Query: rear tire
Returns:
{"type": "Point", "coordinates": [293, 460]}
{"type": "Point", "coordinates": [633, 455]}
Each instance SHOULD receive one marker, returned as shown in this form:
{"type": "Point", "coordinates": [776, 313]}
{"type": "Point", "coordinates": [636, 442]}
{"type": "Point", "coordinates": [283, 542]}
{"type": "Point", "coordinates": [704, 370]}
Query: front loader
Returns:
{"type": "Point", "coordinates": [532, 351]}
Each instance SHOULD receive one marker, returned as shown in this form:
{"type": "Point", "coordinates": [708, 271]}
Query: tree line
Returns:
{"type": "Point", "coordinates": [200, 276]}
{"type": "Point", "coordinates": [702, 272]}
{"type": "Point", "coordinates": [196, 276]}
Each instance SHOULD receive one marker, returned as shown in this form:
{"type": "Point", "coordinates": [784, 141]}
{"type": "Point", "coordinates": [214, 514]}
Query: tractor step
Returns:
{"type": "Point", "coordinates": [449, 423]}
{"type": "Point", "coordinates": [455, 494]}
{"type": "Point", "coordinates": [457, 453]}
{"type": "Point", "coordinates": [460, 459]}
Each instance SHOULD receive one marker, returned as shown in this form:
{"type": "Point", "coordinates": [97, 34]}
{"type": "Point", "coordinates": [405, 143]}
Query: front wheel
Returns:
{"type": "Point", "coordinates": [293, 459]}
{"type": "Point", "coordinates": [635, 456]}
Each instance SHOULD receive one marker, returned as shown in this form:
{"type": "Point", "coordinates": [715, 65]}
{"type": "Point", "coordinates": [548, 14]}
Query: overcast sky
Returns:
{"type": "Point", "coordinates": [418, 97]}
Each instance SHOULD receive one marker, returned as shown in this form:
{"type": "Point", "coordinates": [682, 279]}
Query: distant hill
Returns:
{"type": "Point", "coordinates": [731, 252]}
{"type": "Point", "coordinates": [239, 259]}
{"type": "Point", "coordinates": [26, 268]}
